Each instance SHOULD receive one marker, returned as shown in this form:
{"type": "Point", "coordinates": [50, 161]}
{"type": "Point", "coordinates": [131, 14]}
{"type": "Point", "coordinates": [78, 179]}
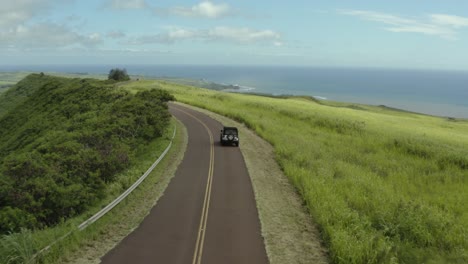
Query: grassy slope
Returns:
{"type": "Point", "coordinates": [12, 98]}
{"type": "Point", "coordinates": [384, 186]}
{"type": "Point", "coordinates": [8, 79]}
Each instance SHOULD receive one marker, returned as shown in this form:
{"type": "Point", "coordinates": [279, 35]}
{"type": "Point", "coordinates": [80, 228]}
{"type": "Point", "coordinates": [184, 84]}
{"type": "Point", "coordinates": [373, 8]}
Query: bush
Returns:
{"type": "Point", "coordinates": [118, 75]}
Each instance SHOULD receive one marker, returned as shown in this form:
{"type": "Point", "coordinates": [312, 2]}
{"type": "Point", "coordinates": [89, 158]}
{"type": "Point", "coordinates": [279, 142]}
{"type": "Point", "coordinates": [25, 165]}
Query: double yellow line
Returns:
{"type": "Point", "coordinates": [197, 255]}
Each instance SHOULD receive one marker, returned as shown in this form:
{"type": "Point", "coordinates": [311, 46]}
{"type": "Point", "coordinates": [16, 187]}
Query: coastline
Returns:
{"type": "Point", "coordinates": [333, 91]}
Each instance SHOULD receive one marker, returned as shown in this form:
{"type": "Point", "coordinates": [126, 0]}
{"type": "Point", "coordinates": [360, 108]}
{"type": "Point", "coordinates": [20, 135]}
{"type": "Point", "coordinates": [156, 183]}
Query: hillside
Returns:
{"type": "Point", "coordinates": [63, 140]}
{"type": "Point", "coordinates": [384, 186]}
{"type": "Point", "coordinates": [17, 95]}
{"type": "Point", "coordinates": [9, 79]}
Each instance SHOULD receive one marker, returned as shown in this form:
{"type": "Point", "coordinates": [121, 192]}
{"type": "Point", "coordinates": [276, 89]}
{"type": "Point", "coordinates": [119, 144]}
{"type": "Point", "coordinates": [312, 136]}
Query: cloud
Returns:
{"type": "Point", "coordinates": [441, 25]}
{"type": "Point", "coordinates": [44, 36]}
{"type": "Point", "coordinates": [16, 12]}
{"type": "Point", "coordinates": [127, 4]}
{"type": "Point", "coordinates": [19, 32]}
{"type": "Point", "coordinates": [216, 34]}
{"type": "Point", "coordinates": [116, 34]}
{"type": "Point", "coordinates": [242, 35]}
{"type": "Point", "coordinates": [449, 20]}
{"type": "Point", "coordinates": [205, 9]}
{"type": "Point", "coordinates": [278, 43]}
{"type": "Point", "coordinates": [171, 36]}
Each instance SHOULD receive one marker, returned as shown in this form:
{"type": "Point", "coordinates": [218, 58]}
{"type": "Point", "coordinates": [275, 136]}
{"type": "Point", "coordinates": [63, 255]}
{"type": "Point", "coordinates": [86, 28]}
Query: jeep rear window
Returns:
{"type": "Point", "coordinates": [230, 132]}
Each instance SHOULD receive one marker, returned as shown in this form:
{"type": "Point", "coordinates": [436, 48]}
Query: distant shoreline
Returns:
{"type": "Point", "coordinates": [236, 88]}
{"type": "Point", "coordinates": [435, 93]}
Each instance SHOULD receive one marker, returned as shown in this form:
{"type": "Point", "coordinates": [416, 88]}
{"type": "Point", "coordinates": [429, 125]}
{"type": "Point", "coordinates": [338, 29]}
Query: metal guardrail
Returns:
{"type": "Point", "coordinates": [114, 203]}
{"type": "Point", "coordinates": [109, 207]}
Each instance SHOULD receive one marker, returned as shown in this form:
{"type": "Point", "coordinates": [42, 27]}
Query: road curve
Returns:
{"type": "Point", "coordinates": [207, 213]}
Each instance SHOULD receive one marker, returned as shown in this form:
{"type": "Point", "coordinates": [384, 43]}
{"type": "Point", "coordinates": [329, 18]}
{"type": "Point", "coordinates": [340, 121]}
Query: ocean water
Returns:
{"type": "Point", "coordinates": [442, 93]}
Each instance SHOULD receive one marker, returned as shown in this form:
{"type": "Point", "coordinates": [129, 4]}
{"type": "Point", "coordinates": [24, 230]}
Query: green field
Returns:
{"type": "Point", "coordinates": [384, 186]}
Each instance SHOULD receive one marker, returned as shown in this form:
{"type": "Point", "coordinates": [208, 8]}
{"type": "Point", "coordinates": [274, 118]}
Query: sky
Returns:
{"type": "Point", "coordinates": [414, 34]}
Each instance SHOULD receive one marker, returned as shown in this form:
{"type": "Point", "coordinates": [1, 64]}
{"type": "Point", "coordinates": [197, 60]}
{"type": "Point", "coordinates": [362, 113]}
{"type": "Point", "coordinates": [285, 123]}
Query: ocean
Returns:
{"type": "Point", "coordinates": [441, 93]}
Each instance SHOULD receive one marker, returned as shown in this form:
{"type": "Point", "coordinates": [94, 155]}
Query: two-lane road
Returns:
{"type": "Point", "coordinates": [207, 213]}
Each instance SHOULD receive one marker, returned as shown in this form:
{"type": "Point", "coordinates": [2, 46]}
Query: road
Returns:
{"type": "Point", "coordinates": [207, 214]}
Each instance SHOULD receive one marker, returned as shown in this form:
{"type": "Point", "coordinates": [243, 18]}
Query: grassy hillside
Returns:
{"type": "Point", "coordinates": [62, 141]}
{"type": "Point", "coordinates": [13, 97]}
{"type": "Point", "coordinates": [384, 186]}
{"type": "Point", "coordinates": [8, 79]}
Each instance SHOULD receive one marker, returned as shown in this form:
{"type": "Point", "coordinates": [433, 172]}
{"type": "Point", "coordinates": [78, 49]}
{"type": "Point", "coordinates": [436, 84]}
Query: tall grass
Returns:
{"type": "Point", "coordinates": [384, 186]}
{"type": "Point", "coordinates": [17, 248]}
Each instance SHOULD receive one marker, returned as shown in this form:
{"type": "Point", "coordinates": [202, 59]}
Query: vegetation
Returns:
{"type": "Point", "coordinates": [100, 237]}
{"type": "Point", "coordinates": [62, 141]}
{"type": "Point", "coordinates": [17, 248]}
{"type": "Point", "coordinates": [384, 186]}
{"type": "Point", "coordinates": [202, 83]}
{"type": "Point", "coordinates": [8, 79]}
{"type": "Point", "coordinates": [118, 75]}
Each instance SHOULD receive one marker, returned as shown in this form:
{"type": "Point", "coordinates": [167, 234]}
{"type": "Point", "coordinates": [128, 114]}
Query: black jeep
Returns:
{"type": "Point", "coordinates": [229, 136]}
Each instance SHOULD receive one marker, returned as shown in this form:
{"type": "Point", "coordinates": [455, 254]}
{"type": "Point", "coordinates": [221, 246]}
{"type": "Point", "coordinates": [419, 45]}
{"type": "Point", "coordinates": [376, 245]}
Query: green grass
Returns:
{"type": "Point", "coordinates": [8, 79]}
{"type": "Point", "coordinates": [384, 186]}
{"type": "Point", "coordinates": [20, 247]}
{"type": "Point", "coordinates": [17, 248]}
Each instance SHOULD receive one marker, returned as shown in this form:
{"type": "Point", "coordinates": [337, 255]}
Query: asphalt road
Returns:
{"type": "Point", "coordinates": [207, 213]}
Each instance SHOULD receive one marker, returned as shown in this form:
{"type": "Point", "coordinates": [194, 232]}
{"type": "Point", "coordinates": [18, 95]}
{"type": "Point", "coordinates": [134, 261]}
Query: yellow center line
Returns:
{"type": "Point", "coordinates": [197, 255]}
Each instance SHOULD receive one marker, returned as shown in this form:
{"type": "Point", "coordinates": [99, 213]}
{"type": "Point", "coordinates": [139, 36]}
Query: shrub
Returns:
{"type": "Point", "coordinates": [118, 75]}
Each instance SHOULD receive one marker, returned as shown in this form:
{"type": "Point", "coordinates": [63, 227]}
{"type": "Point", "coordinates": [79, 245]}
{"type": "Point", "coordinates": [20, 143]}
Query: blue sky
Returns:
{"type": "Point", "coordinates": [429, 34]}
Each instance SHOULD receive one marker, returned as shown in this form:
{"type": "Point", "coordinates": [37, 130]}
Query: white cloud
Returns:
{"type": "Point", "coordinates": [425, 29]}
{"type": "Point", "coordinates": [174, 35]}
{"type": "Point", "coordinates": [216, 34]}
{"type": "Point", "coordinates": [449, 20]}
{"type": "Point", "coordinates": [205, 9]}
{"type": "Point", "coordinates": [278, 43]}
{"type": "Point", "coordinates": [378, 17]}
{"type": "Point", "coordinates": [45, 35]}
{"type": "Point", "coordinates": [127, 4]}
{"type": "Point", "coordinates": [16, 12]}
{"type": "Point", "coordinates": [242, 35]}
{"type": "Point", "coordinates": [93, 38]}
{"type": "Point", "coordinates": [440, 25]}
{"type": "Point", "coordinates": [19, 32]}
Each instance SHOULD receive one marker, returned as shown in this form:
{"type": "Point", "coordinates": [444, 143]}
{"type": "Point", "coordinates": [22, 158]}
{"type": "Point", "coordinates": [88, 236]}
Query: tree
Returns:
{"type": "Point", "coordinates": [118, 75]}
